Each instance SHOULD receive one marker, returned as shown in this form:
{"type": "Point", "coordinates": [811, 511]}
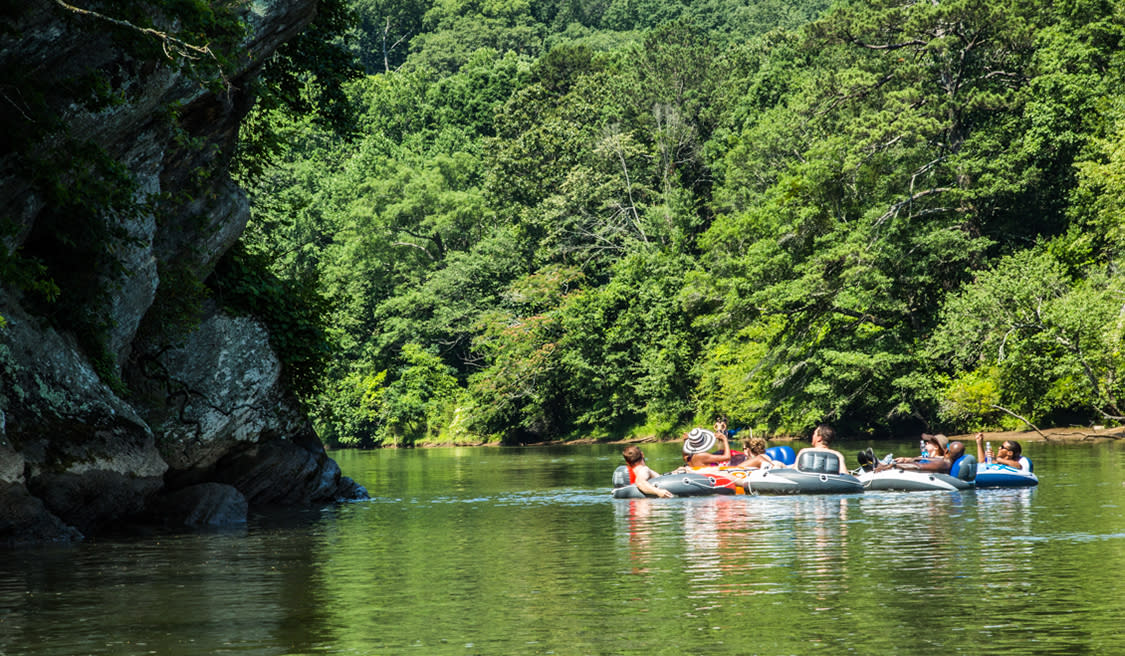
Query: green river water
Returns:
{"type": "Point", "coordinates": [523, 551]}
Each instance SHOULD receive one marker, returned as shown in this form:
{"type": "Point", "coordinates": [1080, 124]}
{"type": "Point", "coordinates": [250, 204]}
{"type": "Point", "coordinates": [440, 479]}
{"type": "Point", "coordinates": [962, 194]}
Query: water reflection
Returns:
{"type": "Point", "coordinates": [636, 525]}
{"type": "Point", "coordinates": [482, 551]}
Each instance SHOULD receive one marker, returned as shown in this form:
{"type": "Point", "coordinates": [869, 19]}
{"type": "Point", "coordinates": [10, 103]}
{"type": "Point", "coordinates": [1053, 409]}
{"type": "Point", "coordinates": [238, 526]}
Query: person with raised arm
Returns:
{"type": "Point", "coordinates": [1010, 453]}
{"type": "Point", "coordinates": [697, 444]}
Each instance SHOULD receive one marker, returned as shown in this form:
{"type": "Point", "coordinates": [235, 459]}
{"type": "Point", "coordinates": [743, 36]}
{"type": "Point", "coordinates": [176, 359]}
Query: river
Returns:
{"type": "Point", "coordinates": [522, 551]}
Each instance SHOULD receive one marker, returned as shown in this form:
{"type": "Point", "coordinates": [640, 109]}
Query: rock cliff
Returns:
{"type": "Point", "coordinates": [140, 422]}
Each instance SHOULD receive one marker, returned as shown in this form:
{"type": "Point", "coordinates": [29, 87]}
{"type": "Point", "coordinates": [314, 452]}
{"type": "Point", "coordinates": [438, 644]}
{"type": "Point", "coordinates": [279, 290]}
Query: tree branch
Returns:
{"type": "Point", "coordinates": [1033, 426]}
{"type": "Point", "coordinates": [862, 316]}
{"type": "Point", "coordinates": [886, 46]}
{"type": "Point", "coordinates": [172, 46]}
{"type": "Point", "coordinates": [908, 200]}
{"type": "Point", "coordinates": [411, 245]}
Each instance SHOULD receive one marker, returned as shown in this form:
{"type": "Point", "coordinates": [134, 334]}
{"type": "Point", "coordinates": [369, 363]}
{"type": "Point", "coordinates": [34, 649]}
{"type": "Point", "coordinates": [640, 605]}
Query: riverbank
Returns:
{"type": "Point", "coordinates": [1073, 434]}
{"type": "Point", "coordinates": [1067, 434]}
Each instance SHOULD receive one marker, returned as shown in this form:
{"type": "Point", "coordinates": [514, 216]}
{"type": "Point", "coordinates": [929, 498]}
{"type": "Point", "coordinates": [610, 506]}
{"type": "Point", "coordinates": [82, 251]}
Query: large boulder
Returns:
{"type": "Point", "coordinates": [255, 470]}
{"type": "Point", "coordinates": [24, 520]}
{"type": "Point", "coordinates": [219, 388]}
{"type": "Point", "coordinates": [68, 437]}
{"type": "Point", "coordinates": [101, 423]}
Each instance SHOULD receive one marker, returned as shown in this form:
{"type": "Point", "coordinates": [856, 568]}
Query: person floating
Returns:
{"type": "Point", "coordinates": [697, 444]}
{"type": "Point", "coordinates": [640, 473]}
{"type": "Point", "coordinates": [755, 448]}
{"type": "Point", "coordinates": [821, 446]}
{"type": "Point", "coordinates": [939, 457]}
{"type": "Point", "coordinates": [1010, 453]}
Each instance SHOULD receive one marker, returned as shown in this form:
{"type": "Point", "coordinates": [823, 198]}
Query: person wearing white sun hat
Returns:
{"type": "Point", "coordinates": [698, 442]}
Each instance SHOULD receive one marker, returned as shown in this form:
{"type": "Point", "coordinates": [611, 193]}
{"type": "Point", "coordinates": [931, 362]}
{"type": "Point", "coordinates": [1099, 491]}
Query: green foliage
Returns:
{"type": "Point", "coordinates": [569, 217]}
{"type": "Point", "coordinates": [347, 410]}
{"type": "Point", "coordinates": [305, 77]}
{"type": "Point", "coordinates": [291, 310]}
{"type": "Point", "coordinates": [383, 31]}
{"type": "Point", "coordinates": [420, 400]}
{"type": "Point", "coordinates": [1049, 344]}
{"type": "Point", "coordinates": [972, 400]}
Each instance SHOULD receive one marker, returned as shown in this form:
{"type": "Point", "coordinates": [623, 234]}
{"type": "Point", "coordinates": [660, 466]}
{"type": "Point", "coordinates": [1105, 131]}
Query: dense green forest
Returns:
{"type": "Point", "coordinates": [524, 221]}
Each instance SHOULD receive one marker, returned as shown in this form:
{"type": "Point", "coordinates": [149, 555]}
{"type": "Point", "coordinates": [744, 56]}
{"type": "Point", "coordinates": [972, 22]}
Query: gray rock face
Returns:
{"type": "Point", "coordinates": [78, 455]}
{"type": "Point", "coordinates": [223, 388]}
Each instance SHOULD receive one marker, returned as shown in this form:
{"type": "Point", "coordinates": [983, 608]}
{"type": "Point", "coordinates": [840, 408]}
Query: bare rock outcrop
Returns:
{"type": "Point", "coordinates": [95, 432]}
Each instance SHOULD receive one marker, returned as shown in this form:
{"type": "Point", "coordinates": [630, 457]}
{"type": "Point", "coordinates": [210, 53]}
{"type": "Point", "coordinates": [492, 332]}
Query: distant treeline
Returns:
{"type": "Point", "coordinates": [535, 220]}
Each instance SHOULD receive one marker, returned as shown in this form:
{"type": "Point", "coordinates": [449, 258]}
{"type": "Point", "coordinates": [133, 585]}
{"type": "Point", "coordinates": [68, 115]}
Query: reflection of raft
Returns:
{"type": "Point", "coordinates": [961, 477]}
{"type": "Point", "coordinates": [997, 475]}
{"type": "Point", "coordinates": [712, 480]}
{"type": "Point", "coordinates": [815, 473]}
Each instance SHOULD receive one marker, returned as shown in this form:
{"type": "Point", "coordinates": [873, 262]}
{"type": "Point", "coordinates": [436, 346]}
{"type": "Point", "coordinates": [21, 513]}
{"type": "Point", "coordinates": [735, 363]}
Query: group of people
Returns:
{"type": "Point", "coordinates": [939, 456]}
{"type": "Point", "coordinates": [697, 453]}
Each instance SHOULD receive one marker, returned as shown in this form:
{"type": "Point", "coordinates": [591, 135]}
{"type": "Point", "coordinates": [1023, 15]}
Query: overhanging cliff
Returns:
{"type": "Point", "coordinates": [120, 397]}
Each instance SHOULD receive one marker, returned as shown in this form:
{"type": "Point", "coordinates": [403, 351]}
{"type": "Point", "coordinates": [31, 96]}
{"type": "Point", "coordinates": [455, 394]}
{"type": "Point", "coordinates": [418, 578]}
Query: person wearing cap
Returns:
{"type": "Point", "coordinates": [640, 473]}
{"type": "Point", "coordinates": [937, 458]}
{"type": "Point", "coordinates": [822, 441]}
{"type": "Point", "coordinates": [697, 444]}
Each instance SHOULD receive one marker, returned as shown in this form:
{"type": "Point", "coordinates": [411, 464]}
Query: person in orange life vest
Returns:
{"type": "Point", "coordinates": [698, 442]}
{"type": "Point", "coordinates": [640, 473]}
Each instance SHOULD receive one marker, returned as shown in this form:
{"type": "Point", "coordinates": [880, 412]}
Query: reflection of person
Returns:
{"type": "Point", "coordinates": [939, 457]}
{"type": "Point", "coordinates": [1009, 454]}
{"type": "Point", "coordinates": [640, 473]}
{"type": "Point", "coordinates": [756, 449]}
{"type": "Point", "coordinates": [698, 442]}
{"type": "Point", "coordinates": [821, 442]}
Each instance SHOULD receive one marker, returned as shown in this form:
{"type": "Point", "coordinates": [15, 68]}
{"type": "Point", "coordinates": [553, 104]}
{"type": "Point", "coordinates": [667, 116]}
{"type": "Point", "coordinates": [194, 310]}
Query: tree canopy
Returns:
{"type": "Point", "coordinates": [549, 219]}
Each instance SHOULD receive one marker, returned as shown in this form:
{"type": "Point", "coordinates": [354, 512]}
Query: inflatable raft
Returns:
{"type": "Point", "coordinates": [961, 476]}
{"type": "Point", "coordinates": [997, 475]}
{"type": "Point", "coordinates": [814, 473]}
{"type": "Point", "coordinates": [711, 480]}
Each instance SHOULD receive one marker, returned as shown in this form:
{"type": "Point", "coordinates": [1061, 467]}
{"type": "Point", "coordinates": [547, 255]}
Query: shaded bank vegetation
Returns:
{"type": "Point", "coordinates": [536, 220]}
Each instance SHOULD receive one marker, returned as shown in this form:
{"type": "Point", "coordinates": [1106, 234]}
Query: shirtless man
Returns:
{"type": "Point", "coordinates": [939, 456]}
{"type": "Point", "coordinates": [821, 441]}
{"type": "Point", "coordinates": [640, 473]}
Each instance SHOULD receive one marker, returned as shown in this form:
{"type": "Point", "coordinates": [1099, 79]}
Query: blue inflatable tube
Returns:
{"type": "Point", "coordinates": [783, 454]}
{"type": "Point", "coordinates": [997, 475]}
